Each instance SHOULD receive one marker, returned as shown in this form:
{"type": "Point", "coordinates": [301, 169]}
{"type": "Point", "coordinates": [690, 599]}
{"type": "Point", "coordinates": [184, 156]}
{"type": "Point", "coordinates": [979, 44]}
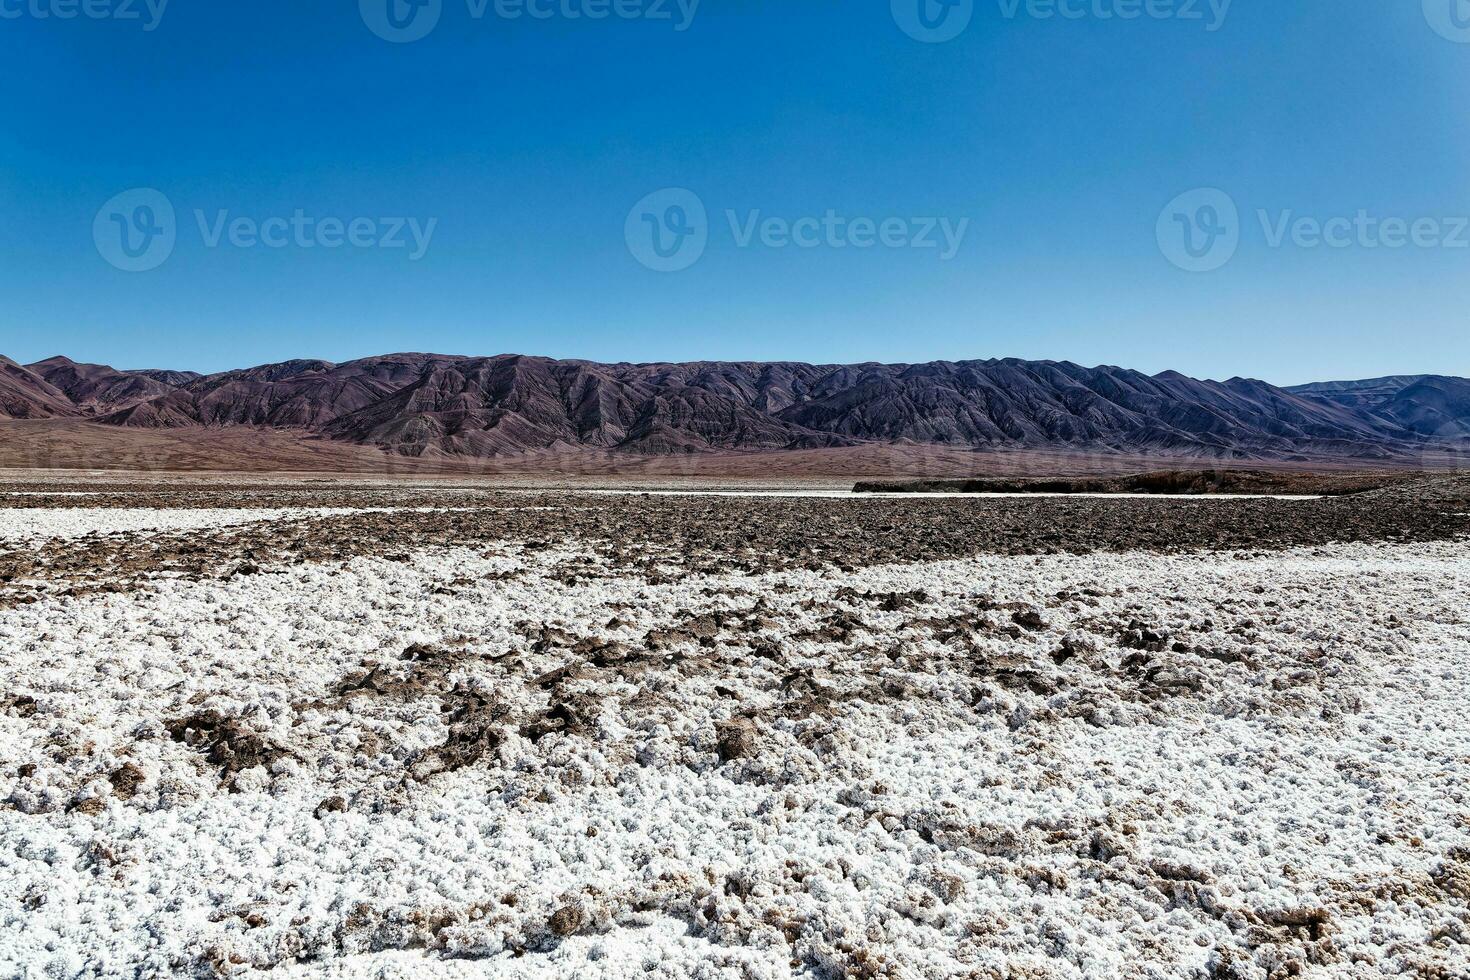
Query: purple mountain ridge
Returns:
{"type": "Point", "coordinates": [419, 405]}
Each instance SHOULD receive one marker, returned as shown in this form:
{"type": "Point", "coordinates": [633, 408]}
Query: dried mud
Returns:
{"type": "Point", "coordinates": [661, 534]}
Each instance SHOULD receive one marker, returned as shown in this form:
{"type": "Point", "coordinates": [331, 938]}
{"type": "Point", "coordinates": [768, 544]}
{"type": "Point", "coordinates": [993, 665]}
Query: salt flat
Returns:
{"type": "Point", "coordinates": [48, 523]}
{"type": "Point", "coordinates": [509, 753]}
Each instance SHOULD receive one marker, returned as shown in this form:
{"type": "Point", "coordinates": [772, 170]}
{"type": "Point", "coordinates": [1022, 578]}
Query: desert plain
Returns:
{"type": "Point", "coordinates": [333, 727]}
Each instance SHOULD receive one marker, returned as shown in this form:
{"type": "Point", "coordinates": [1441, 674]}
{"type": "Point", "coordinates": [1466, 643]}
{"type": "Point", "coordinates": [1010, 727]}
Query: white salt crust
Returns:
{"type": "Point", "coordinates": [956, 828]}
{"type": "Point", "coordinates": [66, 523]}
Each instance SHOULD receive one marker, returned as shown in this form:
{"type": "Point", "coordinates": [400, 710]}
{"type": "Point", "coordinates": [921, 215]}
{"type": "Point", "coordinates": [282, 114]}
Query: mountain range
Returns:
{"type": "Point", "coordinates": [432, 405]}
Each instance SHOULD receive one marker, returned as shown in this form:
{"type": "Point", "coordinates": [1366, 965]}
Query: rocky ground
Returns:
{"type": "Point", "coordinates": [349, 733]}
{"type": "Point", "coordinates": [1169, 481]}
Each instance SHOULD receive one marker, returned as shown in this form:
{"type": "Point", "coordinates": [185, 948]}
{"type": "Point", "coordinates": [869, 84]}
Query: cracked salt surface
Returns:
{"type": "Point", "coordinates": [40, 524]}
{"type": "Point", "coordinates": [67, 523]}
{"type": "Point", "coordinates": [932, 790]}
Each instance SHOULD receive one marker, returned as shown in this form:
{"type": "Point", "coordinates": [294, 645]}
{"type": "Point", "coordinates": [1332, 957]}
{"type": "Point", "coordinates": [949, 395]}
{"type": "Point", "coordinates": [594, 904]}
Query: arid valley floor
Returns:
{"type": "Point", "coordinates": [312, 729]}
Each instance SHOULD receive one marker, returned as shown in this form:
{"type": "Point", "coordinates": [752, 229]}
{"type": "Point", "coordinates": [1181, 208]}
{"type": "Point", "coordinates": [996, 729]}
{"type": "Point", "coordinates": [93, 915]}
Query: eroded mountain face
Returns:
{"type": "Point", "coordinates": [429, 404]}
{"type": "Point", "coordinates": [1428, 404]}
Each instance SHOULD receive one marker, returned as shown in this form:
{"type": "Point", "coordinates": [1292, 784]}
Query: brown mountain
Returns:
{"type": "Point", "coordinates": [96, 388]}
{"type": "Point", "coordinates": [26, 395]}
{"type": "Point", "coordinates": [424, 405]}
{"type": "Point", "coordinates": [171, 378]}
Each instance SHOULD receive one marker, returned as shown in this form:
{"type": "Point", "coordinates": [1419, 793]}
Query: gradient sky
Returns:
{"type": "Point", "coordinates": [529, 140]}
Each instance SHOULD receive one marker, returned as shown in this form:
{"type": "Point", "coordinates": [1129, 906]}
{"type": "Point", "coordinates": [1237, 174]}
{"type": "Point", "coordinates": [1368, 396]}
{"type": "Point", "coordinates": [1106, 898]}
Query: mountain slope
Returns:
{"type": "Point", "coordinates": [97, 387]}
{"type": "Point", "coordinates": [26, 395]}
{"type": "Point", "coordinates": [493, 406]}
{"type": "Point", "coordinates": [426, 405]}
{"type": "Point", "coordinates": [1430, 405]}
{"type": "Point", "coordinates": [173, 379]}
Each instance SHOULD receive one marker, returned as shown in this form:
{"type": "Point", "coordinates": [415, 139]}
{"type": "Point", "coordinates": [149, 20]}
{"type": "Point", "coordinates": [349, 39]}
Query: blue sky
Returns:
{"type": "Point", "coordinates": [1055, 143]}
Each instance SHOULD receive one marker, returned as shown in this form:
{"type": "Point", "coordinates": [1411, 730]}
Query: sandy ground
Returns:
{"type": "Point", "coordinates": [29, 447]}
{"type": "Point", "coordinates": [522, 754]}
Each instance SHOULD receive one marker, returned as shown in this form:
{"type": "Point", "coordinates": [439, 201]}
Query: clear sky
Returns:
{"type": "Point", "coordinates": [1050, 147]}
